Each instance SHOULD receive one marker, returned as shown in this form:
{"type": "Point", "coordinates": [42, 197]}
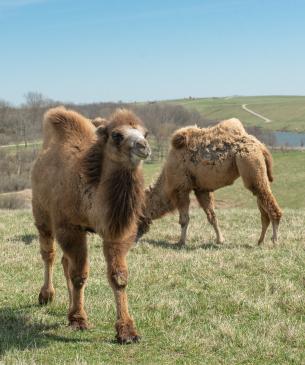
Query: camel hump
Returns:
{"type": "Point", "coordinates": [179, 138]}
{"type": "Point", "coordinates": [61, 124]}
{"type": "Point", "coordinates": [232, 124]}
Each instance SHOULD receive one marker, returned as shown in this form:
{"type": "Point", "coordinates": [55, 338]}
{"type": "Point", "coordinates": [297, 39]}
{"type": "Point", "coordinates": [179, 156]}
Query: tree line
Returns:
{"type": "Point", "coordinates": [23, 124]}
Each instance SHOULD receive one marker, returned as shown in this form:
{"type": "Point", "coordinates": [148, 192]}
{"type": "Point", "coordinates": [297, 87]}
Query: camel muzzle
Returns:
{"type": "Point", "coordinates": [141, 149]}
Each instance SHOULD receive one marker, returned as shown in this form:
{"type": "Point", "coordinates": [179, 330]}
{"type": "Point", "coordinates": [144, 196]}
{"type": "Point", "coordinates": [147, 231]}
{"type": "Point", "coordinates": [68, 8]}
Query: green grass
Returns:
{"type": "Point", "coordinates": [288, 187]}
{"type": "Point", "coordinates": [205, 304]}
{"type": "Point", "coordinates": [286, 112]}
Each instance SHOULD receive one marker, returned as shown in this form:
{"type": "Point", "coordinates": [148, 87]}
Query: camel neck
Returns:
{"type": "Point", "coordinates": [124, 188]}
{"type": "Point", "coordinates": [157, 202]}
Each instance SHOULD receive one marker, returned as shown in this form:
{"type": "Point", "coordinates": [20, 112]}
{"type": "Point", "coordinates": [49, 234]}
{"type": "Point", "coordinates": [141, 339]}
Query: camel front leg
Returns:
{"type": "Point", "coordinates": [65, 265]}
{"type": "Point", "coordinates": [182, 201]}
{"type": "Point", "coordinates": [206, 201]}
{"type": "Point", "coordinates": [117, 272]}
{"type": "Point", "coordinates": [184, 219]}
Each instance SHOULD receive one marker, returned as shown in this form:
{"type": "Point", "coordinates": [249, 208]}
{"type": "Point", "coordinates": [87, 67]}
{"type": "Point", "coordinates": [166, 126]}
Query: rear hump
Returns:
{"type": "Point", "coordinates": [60, 124]}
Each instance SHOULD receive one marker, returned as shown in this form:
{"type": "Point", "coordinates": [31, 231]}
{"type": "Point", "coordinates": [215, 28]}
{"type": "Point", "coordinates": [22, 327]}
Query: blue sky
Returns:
{"type": "Point", "coordinates": [86, 51]}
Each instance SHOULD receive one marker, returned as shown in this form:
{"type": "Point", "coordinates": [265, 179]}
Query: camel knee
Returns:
{"type": "Point", "coordinates": [184, 219]}
{"type": "Point", "coordinates": [119, 278]}
{"type": "Point", "coordinates": [48, 255]}
{"type": "Point", "coordinates": [79, 281]}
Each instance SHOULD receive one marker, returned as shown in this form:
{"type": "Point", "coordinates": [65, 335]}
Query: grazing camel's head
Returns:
{"type": "Point", "coordinates": [124, 137]}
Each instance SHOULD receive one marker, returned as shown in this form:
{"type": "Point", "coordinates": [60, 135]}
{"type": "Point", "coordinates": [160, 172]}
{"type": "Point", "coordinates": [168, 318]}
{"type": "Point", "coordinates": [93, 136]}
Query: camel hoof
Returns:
{"type": "Point", "coordinates": [127, 340]}
{"type": "Point", "coordinates": [181, 244]}
{"type": "Point", "coordinates": [126, 333]}
{"type": "Point", "coordinates": [79, 325]}
{"type": "Point", "coordinates": [46, 296]}
{"type": "Point", "coordinates": [220, 241]}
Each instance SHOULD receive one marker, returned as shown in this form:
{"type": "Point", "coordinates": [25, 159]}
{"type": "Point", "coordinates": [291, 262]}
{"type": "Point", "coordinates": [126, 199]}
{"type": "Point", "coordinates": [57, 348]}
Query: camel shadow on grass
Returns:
{"type": "Point", "coordinates": [27, 239]}
{"type": "Point", "coordinates": [19, 331]}
{"type": "Point", "coordinates": [203, 246]}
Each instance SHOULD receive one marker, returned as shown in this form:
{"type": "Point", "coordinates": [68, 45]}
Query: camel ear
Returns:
{"type": "Point", "coordinates": [98, 122]}
{"type": "Point", "coordinates": [102, 133]}
{"type": "Point", "coordinates": [179, 140]}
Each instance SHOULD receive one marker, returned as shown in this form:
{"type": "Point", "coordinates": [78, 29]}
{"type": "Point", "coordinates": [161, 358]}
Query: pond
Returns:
{"type": "Point", "coordinates": [291, 139]}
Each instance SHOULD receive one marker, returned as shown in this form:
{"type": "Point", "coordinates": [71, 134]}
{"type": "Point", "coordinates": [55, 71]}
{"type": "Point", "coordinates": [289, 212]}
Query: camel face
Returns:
{"type": "Point", "coordinates": [128, 144]}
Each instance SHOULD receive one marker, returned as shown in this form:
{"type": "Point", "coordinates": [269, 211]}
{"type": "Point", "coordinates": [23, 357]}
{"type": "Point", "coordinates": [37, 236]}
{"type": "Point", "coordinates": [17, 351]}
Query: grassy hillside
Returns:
{"type": "Point", "coordinates": [286, 112]}
{"type": "Point", "coordinates": [205, 304]}
{"type": "Point", "coordinates": [288, 187]}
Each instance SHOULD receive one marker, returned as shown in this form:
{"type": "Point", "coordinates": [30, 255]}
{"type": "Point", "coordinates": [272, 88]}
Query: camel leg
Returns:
{"type": "Point", "coordinates": [76, 269]}
{"type": "Point", "coordinates": [270, 206]}
{"type": "Point", "coordinates": [253, 172]}
{"type": "Point", "coordinates": [265, 222]}
{"type": "Point", "coordinates": [48, 252]}
{"type": "Point", "coordinates": [206, 201]}
{"type": "Point", "coordinates": [65, 265]}
{"type": "Point", "coordinates": [181, 200]}
{"type": "Point", "coordinates": [184, 218]}
{"type": "Point", "coordinates": [117, 272]}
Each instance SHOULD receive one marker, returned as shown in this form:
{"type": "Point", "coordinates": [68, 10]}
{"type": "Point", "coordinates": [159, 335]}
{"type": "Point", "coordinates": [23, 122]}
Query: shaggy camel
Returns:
{"type": "Point", "coordinates": [89, 179]}
{"type": "Point", "coordinates": [203, 160]}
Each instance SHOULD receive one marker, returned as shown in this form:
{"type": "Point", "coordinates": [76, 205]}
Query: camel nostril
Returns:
{"type": "Point", "coordinates": [140, 145]}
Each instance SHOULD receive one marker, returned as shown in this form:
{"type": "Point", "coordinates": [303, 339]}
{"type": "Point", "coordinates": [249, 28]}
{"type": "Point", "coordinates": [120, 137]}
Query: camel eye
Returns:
{"type": "Point", "coordinates": [117, 137]}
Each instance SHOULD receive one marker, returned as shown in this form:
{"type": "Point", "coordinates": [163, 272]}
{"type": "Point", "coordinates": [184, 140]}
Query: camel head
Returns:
{"type": "Point", "coordinates": [124, 137]}
{"type": "Point", "coordinates": [143, 227]}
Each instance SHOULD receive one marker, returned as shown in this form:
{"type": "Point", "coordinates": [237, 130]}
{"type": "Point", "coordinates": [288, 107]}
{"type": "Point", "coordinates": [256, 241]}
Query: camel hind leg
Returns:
{"type": "Point", "coordinates": [253, 171]}
{"type": "Point", "coordinates": [265, 222]}
{"type": "Point", "coordinates": [48, 253]}
{"type": "Point", "coordinates": [76, 269]}
{"type": "Point", "coordinates": [206, 201]}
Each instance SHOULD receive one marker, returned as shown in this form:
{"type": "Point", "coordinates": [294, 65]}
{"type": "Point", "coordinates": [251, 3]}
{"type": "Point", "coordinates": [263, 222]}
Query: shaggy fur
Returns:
{"type": "Point", "coordinates": [89, 179]}
{"type": "Point", "coordinates": [203, 160]}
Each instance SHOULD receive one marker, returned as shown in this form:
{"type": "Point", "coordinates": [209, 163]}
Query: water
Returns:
{"type": "Point", "coordinates": [289, 139]}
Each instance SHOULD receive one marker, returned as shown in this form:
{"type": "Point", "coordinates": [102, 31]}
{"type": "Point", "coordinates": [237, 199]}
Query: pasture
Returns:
{"type": "Point", "coordinates": [204, 304]}
{"type": "Point", "coordinates": [286, 112]}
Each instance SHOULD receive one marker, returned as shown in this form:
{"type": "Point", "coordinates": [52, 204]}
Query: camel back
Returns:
{"type": "Point", "coordinates": [225, 131]}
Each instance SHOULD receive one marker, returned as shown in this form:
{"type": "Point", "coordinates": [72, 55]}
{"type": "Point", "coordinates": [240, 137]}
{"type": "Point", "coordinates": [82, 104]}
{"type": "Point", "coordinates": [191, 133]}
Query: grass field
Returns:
{"type": "Point", "coordinates": [205, 304]}
{"type": "Point", "coordinates": [286, 112]}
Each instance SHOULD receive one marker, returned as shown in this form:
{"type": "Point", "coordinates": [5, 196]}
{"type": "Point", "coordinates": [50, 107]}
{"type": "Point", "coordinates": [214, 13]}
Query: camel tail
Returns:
{"type": "Point", "coordinates": [60, 124]}
{"type": "Point", "coordinates": [269, 163]}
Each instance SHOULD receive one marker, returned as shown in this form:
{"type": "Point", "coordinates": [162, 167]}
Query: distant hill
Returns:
{"type": "Point", "coordinates": [285, 112]}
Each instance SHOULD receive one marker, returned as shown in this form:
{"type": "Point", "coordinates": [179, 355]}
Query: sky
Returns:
{"type": "Point", "coordinates": [137, 50]}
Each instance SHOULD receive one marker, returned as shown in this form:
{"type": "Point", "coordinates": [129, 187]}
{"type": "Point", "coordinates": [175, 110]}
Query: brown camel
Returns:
{"type": "Point", "coordinates": [203, 160]}
{"type": "Point", "coordinates": [88, 179]}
